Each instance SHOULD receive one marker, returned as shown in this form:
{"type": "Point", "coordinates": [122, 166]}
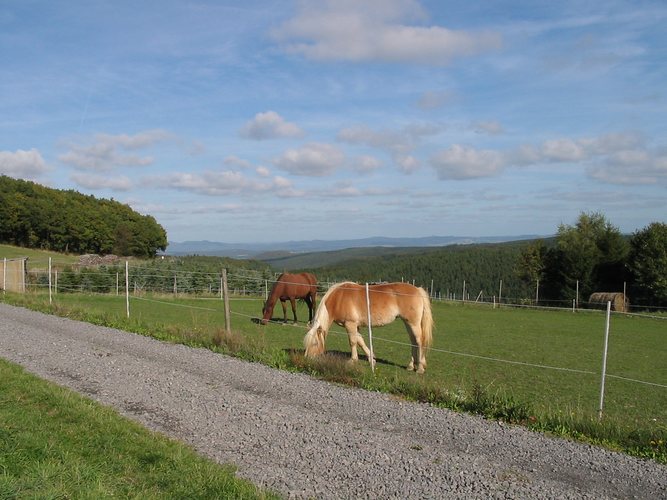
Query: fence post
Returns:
{"type": "Point", "coordinates": [4, 275]}
{"type": "Point", "coordinates": [50, 295]}
{"type": "Point", "coordinates": [604, 360]}
{"type": "Point", "coordinates": [127, 289]}
{"type": "Point", "coordinates": [225, 290]}
{"type": "Point", "coordinates": [500, 293]}
{"type": "Point", "coordinates": [463, 297]}
{"type": "Point", "coordinates": [370, 330]}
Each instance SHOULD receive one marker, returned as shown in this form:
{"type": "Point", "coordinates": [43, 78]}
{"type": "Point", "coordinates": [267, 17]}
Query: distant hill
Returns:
{"type": "Point", "coordinates": [275, 251]}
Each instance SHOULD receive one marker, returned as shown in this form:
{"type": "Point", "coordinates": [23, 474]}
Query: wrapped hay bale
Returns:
{"type": "Point", "coordinates": [619, 302]}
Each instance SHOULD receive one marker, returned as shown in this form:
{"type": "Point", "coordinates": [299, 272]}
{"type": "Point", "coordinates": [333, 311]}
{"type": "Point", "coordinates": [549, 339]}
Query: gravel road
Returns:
{"type": "Point", "coordinates": [305, 438]}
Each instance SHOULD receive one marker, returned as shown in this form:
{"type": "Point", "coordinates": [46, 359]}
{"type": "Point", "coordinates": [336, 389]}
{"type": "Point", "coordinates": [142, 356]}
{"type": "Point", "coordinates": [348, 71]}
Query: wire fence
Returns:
{"type": "Point", "coordinates": [168, 286]}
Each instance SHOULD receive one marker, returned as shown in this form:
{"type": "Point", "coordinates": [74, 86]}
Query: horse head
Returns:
{"type": "Point", "coordinates": [314, 340]}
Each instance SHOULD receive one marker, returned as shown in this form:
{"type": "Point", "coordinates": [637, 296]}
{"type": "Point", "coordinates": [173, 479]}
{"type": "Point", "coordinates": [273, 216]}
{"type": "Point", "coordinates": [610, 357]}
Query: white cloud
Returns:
{"type": "Point", "coordinates": [269, 125]}
{"type": "Point", "coordinates": [235, 161]}
{"type": "Point", "coordinates": [91, 181]}
{"type": "Point", "coordinates": [366, 163]}
{"type": "Point", "coordinates": [217, 183]}
{"type": "Point", "coordinates": [263, 171]}
{"type": "Point", "coordinates": [107, 151]}
{"type": "Point", "coordinates": [489, 127]}
{"type": "Point", "coordinates": [632, 167]}
{"type": "Point", "coordinates": [395, 141]}
{"type": "Point", "coordinates": [407, 164]}
{"type": "Point", "coordinates": [376, 30]}
{"type": "Point", "coordinates": [22, 164]}
{"type": "Point", "coordinates": [435, 99]}
{"type": "Point", "coordinates": [462, 162]}
{"type": "Point", "coordinates": [620, 158]}
{"type": "Point", "coordinates": [313, 159]}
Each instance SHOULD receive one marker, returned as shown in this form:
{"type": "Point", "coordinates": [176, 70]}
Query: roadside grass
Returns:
{"type": "Point", "coordinates": [57, 444]}
{"type": "Point", "coordinates": [538, 368]}
{"type": "Point", "coordinates": [40, 256]}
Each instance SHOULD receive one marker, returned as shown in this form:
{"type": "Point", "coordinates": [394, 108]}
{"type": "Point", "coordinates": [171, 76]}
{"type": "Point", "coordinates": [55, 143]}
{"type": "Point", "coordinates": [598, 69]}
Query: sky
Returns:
{"type": "Point", "coordinates": [263, 121]}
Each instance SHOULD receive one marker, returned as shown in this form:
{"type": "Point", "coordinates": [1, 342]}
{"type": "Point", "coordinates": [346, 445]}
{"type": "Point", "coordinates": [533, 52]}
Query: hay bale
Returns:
{"type": "Point", "coordinates": [619, 302]}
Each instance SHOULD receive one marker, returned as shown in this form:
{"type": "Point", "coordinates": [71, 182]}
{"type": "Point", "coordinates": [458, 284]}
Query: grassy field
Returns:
{"type": "Point", "coordinates": [56, 444]}
{"type": "Point", "coordinates": [41, 257]}
{"type": "Point", "coordinates": [546, 362]}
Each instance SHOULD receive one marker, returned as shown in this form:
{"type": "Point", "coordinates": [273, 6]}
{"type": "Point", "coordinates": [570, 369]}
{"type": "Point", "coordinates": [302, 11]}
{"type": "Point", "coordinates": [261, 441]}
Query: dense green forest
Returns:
{"type": "Point", "coordinates": [590, 256]}
{"type": "Point", "coordinates": [480, 266]}
{"type": "Point", "coordinates": [35, 216]}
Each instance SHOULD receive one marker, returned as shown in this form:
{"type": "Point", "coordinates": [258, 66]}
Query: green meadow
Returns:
{"type": "Point", "coordinates": [541, 367]}
{"type": "Point", "coordinates": [57, 444]}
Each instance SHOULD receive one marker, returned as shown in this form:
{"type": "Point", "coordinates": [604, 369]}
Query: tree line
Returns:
{"type": "Point", "coordinates": [34, 216]}
{"type": "Point", "coordinates": [594, 256]}
{"type": "Point", "coordinates": [590, 256]}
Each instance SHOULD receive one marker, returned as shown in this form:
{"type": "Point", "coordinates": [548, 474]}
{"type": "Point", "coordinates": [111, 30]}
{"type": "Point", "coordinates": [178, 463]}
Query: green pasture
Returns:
{"type": "Point", "coordinates": [546, 363]}
{"type": "Point", "coordinates": [37, 258]}
{"type": "Point", "coordinates": [550, 359]}
{"type": "Point", "coordinates": [57, 444]}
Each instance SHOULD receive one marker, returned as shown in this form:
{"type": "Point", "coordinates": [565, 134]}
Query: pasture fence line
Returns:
{"type": "Point", "coordinates": [141, 279]}
{"type": "Point", "coordinates": [254, 289]}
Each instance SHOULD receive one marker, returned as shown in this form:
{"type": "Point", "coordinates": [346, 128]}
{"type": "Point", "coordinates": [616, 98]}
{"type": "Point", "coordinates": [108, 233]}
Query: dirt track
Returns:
{"type": "Point", "coordinates": [306, 438]}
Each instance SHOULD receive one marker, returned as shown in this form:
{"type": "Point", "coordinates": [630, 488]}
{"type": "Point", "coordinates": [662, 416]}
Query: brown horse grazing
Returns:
{"type": "Point", "coordinates": [345, 304]}
{"type": "Point", "coordinates": [291, 287]}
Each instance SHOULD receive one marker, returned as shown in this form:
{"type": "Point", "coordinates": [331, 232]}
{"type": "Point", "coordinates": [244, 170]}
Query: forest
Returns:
{"type": "Point", "coordinates": [35, 216]}
{"type": "Point", "coordinates": [589, 256]}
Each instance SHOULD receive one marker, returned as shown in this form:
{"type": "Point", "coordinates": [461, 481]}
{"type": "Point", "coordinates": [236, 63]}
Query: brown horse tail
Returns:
{"type": "Point", "coordinates": [427, 320]}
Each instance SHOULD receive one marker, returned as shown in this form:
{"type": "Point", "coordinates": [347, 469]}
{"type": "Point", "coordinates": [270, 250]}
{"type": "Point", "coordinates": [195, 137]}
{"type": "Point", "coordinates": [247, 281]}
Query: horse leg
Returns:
{"type": "Point", "coordinates": [309, 302]}
{"type": "Point", "coordinates": [356, 339]}
{"type": "Point", "coordinates": [282, 303]}
{"type": "Point", "coordinates": [418, 354]}
{"type": "Point", "coordinates": [293, 302]}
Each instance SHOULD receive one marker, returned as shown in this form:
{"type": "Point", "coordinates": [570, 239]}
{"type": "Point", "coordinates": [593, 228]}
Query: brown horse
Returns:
{"type": "Point", "coordinates": [291, 287]}
{"type": "Point", "coordinates": [345, 304]}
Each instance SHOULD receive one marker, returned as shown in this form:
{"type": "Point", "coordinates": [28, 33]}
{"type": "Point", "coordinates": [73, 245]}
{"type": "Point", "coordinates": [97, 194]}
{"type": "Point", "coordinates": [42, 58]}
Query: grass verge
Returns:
{"type": "Point", "coordinates": [57, 444]}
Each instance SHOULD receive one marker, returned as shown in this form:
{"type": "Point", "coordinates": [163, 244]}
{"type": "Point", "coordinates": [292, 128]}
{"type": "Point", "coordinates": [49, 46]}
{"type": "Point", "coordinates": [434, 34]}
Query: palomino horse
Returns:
{"type": "Point", "coordinates": [345, 304]}
{"type": "Point", "coordinates": [291, 287]}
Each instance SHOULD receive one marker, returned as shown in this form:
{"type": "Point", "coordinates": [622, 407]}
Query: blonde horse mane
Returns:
{"type": "Point", "coordinates": [314, 339]}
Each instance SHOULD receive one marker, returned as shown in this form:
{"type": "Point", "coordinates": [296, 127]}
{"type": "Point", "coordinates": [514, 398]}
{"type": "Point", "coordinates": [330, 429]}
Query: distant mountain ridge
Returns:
{"type": "Point", "coordinates": [253, 250]}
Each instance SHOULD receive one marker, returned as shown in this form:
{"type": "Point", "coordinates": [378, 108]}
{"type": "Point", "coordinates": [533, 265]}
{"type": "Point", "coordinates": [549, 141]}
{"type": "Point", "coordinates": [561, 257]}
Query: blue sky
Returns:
{"type": "Point", "coordinates": [263, 121]}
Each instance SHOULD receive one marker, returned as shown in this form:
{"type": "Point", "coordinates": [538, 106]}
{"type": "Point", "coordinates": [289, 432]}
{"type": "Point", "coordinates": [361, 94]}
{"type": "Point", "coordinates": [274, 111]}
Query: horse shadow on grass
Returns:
{"type": "Point", "coordinates": [343, 356]}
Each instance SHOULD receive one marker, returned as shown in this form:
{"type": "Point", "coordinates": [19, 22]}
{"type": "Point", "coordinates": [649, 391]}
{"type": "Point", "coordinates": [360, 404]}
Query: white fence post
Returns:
{"type": "Point", "coordinates": [127, 289]}
{"type": "Point", "coordinates": [50, 295]}
{"type": "Point", "coordinates": [225, 290]}
{"type": "Point", "coordinates": [604, 360]}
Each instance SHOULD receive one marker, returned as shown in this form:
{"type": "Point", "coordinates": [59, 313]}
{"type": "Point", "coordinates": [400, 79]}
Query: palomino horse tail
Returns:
{"type": "Point", "coordinates": [427, 320]}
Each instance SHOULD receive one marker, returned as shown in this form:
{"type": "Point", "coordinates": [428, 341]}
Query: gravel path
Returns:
{"type": "Point", "coordinates": [306, 438]}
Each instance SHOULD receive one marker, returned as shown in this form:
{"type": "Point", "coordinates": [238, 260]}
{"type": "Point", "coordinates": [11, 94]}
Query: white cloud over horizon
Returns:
{"type": "Point", "coordinates": [269, 125]}
{"type": "Point", "coordinates": [23, 164]}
